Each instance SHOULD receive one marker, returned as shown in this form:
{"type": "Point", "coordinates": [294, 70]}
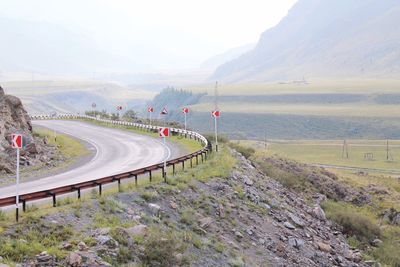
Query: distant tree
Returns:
{"type": "Point", "coordinates": [130, 115]}
{"type": "Point", "coordinates": [114, 116]}
{"type": "Point", "coordinates": [103, 114]}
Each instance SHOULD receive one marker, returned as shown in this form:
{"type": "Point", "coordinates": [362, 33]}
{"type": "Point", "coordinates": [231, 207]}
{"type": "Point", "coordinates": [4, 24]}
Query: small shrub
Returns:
{"type": "Point", "coordinates": [120, 235]}
{"type": "Point", "coordinates": [125, 255]}
{"type": "Point", "coordinates": [240, 191]}
{"type": "Point", "coordinates": [388, 253]}
{"type": "Point", "coordinates": [219, 247]}
{"type": "Point", "coordinates": [160, 248]}
{"type": "Point", "coordinates": [354, 222]}
{"type": "Point", "coordinates": [295, 181]}
{"type": "Point", "coordinates": [188, 216]}
{"type": "Point", "coordinates": [2, 216]}
{"type": "Point", "coordinates": [149, 195]}
{"type": "Point", "coordinates": [90, 241]}
{"type": "Point", "coordinates": [247, 152]}
{"type": "Point", "coordinates": [237, 262]}
{"type": "Point", "coordinates": [223, 139]}
{"type": "Point", "coordinates": [197, 241]}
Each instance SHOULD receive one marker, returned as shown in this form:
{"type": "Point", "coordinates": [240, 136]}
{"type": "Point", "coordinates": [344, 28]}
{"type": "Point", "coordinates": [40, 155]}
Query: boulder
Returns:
{"type": "Point", "coordinates": [154, 209]}
{"type": "Point", "coordinates": [33, 148]}
{"type": "Point", "coordinates": [138, 230]}
{"type": "Point", "coordinates": [105, 240]}
{"type": "Point", "coordinates": [319, 213]}
{"type": "Point", "coordinates": [324, 247]}
{"type": "Point", "coordinates": [296, 242]}
{"type": "Point", "coordinates": [205, 222]}
{"type": "Point", "coordinates": [247, 181]}
{"type": "Point", "coordinates": [73, 260]}
{"type": "Point", "coordinates": [288, 225]}
{"type": "Point", "coordinates": [82, 246]}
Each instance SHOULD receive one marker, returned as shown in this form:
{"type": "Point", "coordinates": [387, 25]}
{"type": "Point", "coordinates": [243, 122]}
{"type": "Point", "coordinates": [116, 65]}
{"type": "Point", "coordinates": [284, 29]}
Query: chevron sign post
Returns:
{"type": "Point", "coordinates": [216, 114]}
{"type": "Point", "coordinates": [119, 109]}
{"type": "Point", "coordinates": [150, 110]}
{"type": "Point", "coordinates": [164, 113]}
{"type": "Point", "coordinates": [163, 132]}
{"type": "Point", "coordinates": [17, 143]}
{"type": "Point", "coordinates": [185, 111]}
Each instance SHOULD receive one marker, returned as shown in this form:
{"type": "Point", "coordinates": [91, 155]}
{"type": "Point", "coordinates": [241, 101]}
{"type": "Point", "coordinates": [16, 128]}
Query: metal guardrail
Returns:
{"type": "Point", "coordinates": [77, 187]}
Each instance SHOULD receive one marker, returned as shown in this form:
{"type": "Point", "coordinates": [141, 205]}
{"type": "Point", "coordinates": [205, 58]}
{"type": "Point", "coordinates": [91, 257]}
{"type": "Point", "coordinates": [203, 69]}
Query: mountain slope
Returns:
{"type": "Point", "coordinates": [320, 39]}
{"type": "Point", "coordinates": [213, 62]}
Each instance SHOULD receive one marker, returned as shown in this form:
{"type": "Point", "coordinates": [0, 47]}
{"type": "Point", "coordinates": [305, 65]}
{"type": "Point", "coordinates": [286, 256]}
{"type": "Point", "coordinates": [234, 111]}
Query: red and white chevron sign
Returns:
{"type": "Point", "coordinates": [164, 111]}
{"type": "Point", "coordinates": [185, 110]}
{"type": "Point", "coordinates": [215, 113]}
{"type": "Point", "coordinates": [16, 141]}
{"type": "Point", "coordinates": [150, 109]}
{"type": "Point", "coordinates": [163, 132]}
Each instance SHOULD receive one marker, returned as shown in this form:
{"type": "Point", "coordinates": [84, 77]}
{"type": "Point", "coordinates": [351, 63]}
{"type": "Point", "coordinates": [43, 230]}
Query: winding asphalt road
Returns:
{"type": "Point", "coordinates": [116, 151]}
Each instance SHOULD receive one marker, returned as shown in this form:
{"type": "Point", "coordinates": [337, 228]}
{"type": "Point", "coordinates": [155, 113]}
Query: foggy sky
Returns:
{"type": "Point", "coordinates": [173, 34]}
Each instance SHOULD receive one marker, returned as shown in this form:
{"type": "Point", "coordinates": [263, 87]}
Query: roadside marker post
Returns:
{"type": "Point", "coordinates": [185, 111]}
{"type": "Point", "coordinates": [17, 143]}
{"type": "Point", "coordinates": [119, 108]}
{"type": "Point", "coordinates": [164, 112]}
{"type": "Point", "coordinates": [94, 109]}
{"type": "Point", "coordinates": [150, 110]}
{"type": "Point", "coordinates": [163, 132]}
{"type": "Point", "coordinates": [216, 115]}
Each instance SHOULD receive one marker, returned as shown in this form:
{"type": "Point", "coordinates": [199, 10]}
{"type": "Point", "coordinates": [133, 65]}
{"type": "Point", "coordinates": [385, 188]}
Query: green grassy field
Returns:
{"type": "Point", "coordinates": [340, 110]}
{"type": "Point", "coordinates": [369, 86]}
{"type": "Point", "coordinates": [321, 109]}
{"type": "Point", "coordinates": [68, 146]}
{"type": "Point", "coordinates": [329, 152]}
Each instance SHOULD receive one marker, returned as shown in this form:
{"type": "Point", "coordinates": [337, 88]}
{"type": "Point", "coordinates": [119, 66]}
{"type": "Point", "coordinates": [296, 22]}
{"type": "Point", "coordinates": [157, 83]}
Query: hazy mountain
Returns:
{"type": "Point", "coordinates": [213, 62]}
{"type": "Point", "coordinates": [319, 38]}
{"type": "Point", "coordinates": [48, 48]}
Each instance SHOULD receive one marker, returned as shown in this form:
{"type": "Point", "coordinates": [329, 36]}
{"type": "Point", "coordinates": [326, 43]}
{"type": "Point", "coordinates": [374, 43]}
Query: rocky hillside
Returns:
{"type": "Point", "coordinates": [223, 213]}
{"type": "Point", "coordinates": [14, 119]}
{"type": "Point", "coordinates": [324, 39]}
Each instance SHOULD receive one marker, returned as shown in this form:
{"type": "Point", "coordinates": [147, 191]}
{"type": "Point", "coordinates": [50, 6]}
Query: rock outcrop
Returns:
{"type": "Point", "coordinates": [15, 119]}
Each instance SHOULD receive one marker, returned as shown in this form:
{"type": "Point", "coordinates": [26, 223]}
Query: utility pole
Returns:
{"type": "Point", "coordinates": [389, 155]}
{"type": "Point", "coordinates": [345, 152]}
{"type": "Point", "coordinates": [265, 139]}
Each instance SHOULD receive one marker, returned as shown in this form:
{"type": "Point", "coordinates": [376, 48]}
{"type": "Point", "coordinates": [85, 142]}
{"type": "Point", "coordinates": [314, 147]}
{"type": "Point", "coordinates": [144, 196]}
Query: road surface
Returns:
{"type": "Point", "coordinates": [116, 151]}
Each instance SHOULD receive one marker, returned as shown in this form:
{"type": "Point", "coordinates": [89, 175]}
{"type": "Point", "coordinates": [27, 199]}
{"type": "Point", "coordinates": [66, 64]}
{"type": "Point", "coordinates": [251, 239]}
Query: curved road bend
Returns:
{"type": "Point", "coordinates": [116, 151]}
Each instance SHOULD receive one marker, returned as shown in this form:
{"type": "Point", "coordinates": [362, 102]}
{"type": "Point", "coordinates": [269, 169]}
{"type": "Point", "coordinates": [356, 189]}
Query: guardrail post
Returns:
{"type": "Point", "coordinates": [23, 205]}
{"type": "Point", "coordinates": [100, 189]}
{"type": "Point", "coordinates": [135, 179]}
{"type": "Point", "coordinates": [150, 176]}
{"type": "Point", "coordinates": [202, 160]}
{"type": "Point", "coordinates": [54, 200]}
{"type": "Point", "coordinates": [183, 165]}
{"type": "Point", "coordinates": [79, 193]}
{"type": "Point", "coordinates": [164, 174]}
{"type": "Point", "coordinates": [119, 185]}
{"type": "Point", "coordinates": [191, 162]}
{"type": "Point", "coordinates": [197, 159]}
{"type": "Point", "coordinates": [16, 214]}
{"type": "Point", "coordinates": [173, 169]}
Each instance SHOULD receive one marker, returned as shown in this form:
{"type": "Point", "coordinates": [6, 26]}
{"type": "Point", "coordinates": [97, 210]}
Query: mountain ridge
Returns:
{"type": "Point", "coordinates": [317, 39]}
